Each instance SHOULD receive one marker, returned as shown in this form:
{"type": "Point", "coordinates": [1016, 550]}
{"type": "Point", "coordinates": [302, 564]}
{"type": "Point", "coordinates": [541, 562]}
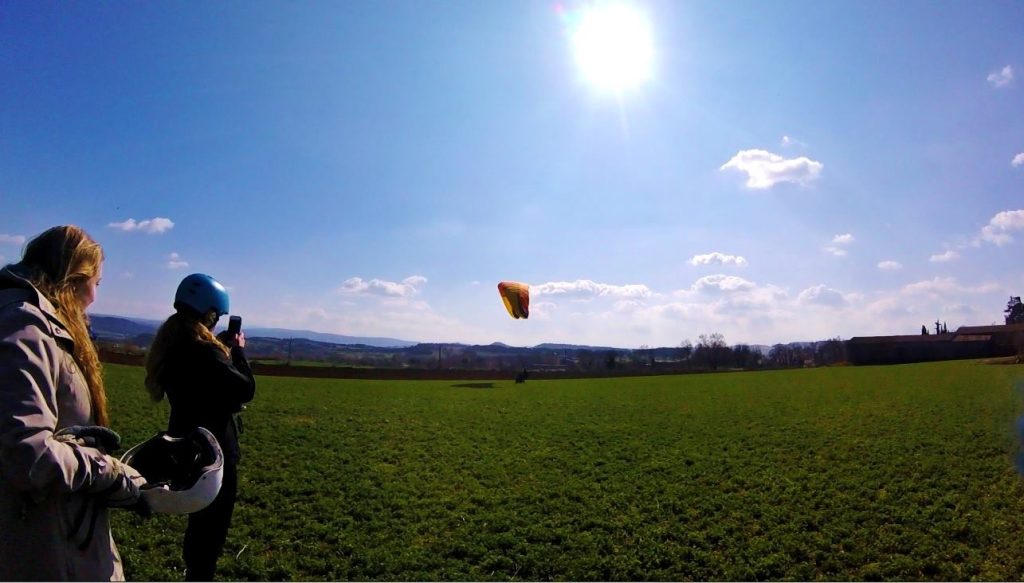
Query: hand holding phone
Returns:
{"type": "Point", "coordinates": [233, 336]}
{"type": "Point", "coordinates": [234, 325]}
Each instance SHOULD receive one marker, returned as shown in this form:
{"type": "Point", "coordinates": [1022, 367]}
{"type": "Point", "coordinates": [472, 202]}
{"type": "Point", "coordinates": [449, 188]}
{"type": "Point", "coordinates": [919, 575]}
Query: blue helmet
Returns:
{"type": "Point", "coordinates": [202, 293]}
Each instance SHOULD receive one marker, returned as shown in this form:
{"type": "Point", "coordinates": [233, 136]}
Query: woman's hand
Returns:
{"type": "Point", "coordinates": [232, 340]}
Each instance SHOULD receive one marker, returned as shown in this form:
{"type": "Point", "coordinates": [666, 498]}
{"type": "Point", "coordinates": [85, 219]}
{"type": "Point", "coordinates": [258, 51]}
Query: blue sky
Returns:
{"type": "Point", "coordinates": [788, 171]}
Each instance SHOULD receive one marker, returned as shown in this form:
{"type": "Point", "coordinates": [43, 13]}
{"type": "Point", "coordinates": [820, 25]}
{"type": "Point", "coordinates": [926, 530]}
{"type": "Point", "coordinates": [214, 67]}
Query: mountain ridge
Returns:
{"type": "Point", "coordinates": [114, 327]}
{"type": "Point", "coordinates": [126, 328]}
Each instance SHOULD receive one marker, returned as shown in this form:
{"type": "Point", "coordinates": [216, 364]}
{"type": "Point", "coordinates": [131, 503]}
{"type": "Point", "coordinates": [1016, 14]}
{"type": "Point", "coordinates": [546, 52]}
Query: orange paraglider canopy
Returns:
{"type": "Point", "coordinates": [516, 297]}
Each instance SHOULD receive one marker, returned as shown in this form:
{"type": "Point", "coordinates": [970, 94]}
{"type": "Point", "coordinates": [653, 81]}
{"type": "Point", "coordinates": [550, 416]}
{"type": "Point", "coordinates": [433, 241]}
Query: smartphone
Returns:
{"type": "Point", "coordinates": [234, 325]}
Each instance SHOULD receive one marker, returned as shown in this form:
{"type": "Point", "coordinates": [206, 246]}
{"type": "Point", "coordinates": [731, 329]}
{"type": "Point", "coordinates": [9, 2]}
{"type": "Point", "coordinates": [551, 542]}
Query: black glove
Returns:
{"type": "Point", "coordinates": [102, 438]}
{"type": "Point", "coordinates": [141, 508]}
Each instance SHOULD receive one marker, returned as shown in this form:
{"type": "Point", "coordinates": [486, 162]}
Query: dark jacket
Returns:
{"type": "Point", "coordinates": [205, 389]}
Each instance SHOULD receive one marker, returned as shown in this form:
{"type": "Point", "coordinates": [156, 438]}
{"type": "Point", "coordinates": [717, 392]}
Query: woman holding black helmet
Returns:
{"type": "Point", "coordinates": [207, 379]}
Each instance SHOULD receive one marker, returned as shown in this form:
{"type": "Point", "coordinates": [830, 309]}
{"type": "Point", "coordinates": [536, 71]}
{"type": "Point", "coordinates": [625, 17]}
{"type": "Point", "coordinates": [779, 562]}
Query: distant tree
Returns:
{"type": "Point", "coordinates": [830, 351]}
{"type": "Point", "coordinates": [924, 330]}
{"type": "Point", "coordinates": [585, 358]}
{"type": "Point", "coordinates": [645, 355]}
{"type": "Point", "coordinates": [791, 355]}
{"type": "Point", "coordinates": [745, 357]}
{"type": "Point", "coordinates": [609, 359]}
{"type": "Point", "coordinates": [711, 350]}
{"type": "Point", "coordinates": [780, 355]}
{"type": "Point", "coordinates": [685, 350]}
{"type": "Point", "coordinates": [1014, 311]}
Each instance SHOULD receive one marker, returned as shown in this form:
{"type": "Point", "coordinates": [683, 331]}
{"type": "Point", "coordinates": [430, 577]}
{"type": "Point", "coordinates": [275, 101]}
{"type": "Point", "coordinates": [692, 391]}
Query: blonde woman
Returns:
{"type": "Point", "coordinates": [207, 379]}
{"type": "Point", "coordinates": [56, 479]}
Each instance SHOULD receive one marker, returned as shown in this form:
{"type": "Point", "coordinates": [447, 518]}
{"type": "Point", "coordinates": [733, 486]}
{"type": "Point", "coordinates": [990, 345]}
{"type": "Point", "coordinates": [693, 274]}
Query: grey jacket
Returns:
{"type": "Point", "coordinates": [52, 527]}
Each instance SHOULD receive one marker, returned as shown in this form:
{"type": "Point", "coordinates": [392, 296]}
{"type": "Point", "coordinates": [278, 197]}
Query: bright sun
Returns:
{"type": "Point", "coordinates": [613, 47]}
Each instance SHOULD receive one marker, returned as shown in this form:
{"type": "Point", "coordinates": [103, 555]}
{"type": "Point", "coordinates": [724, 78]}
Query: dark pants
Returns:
{"type": "Point", "coordinates": [208, 529]}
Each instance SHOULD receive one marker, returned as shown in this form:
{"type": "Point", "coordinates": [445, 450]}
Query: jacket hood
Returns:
{"type": "Point", "coordinates": [15, 276]}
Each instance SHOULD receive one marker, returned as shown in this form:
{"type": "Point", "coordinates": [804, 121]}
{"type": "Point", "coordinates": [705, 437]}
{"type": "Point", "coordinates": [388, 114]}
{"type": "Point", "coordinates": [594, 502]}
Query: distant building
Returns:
{"type": "Point", "coordinates": [966, 342]}
{"type": "Point", "coordinates": [1004, 339]}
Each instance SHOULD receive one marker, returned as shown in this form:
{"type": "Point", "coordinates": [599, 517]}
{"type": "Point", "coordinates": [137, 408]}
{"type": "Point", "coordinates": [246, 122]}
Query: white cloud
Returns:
{"type": "Point", "coordinates": [888, 309]}
{"type": "Point", "coordinates": [821, 295]}
{"type": "Point", "coordinates": [1002, 77]}
{"type": "Point", "coordinates": [998, 229]}
{"type": "Point", "coordinates": [765, 169]}
{"type": "Point", "coordinates": [732, 305]}
{"type": "Point", "coordinates": [945, 287]}
{"type": "Point", "coordinates": [718, 297]}
{"type": "Point", "coordinates": [943, 257]}
{"type": "Point", "coordinates": [586, 287]}
{"type": "Point", "coordinates": [1009, 220]}
{"type": "Point", "coordinates": [409, 286]}
{"type": "Point", "coordinates": [889, 265]}
{"type": "Point", "coordinates": [716, 258]}
{"type": "Point", "coordinates": [1018, 160]}
{"type": "Point", "coordinates": [401, 318]}
{"type": "Point", "coordinates": [995, 236]}
{"type": "Point", "coordinates": [743, 309]}
{"type": "Point", "coordinates": [837, 241]}
{"type": "Point", "coordinates": [789, 141]}
{"type": "Point", "coordinates": [12, 239]}
{"type": "Point", "coordinates": [154, 226]}
{"type": "Point", "coordinates": [722, 283]}
{"type": "Point", "coordinates": [175, 261]}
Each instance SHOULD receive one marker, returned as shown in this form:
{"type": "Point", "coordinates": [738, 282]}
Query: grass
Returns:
{"type": "Point", "coordinates": [864, 473]}
{"type": "Point", "coordinates": [282, 362]}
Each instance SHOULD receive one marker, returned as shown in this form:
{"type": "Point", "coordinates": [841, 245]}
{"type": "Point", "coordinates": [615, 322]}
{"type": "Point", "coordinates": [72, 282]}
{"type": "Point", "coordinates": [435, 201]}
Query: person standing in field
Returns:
{"type": "Point", "coordinates": [56, 478]}
{"type": "Point", "coordinates": [207, 379]}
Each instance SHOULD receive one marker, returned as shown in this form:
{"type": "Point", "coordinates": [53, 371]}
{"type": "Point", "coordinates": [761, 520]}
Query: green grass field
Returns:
{"type": "Point", "coordinates": [900, 472]}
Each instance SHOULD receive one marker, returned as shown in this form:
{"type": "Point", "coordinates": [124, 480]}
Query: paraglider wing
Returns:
{"type": "Point", "coordinates": [516, 297]}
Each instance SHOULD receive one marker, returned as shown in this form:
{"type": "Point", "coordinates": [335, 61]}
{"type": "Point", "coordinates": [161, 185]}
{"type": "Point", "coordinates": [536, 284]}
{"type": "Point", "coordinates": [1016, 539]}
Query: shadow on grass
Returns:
{"type": "Point", "coordinates": [474, 386]}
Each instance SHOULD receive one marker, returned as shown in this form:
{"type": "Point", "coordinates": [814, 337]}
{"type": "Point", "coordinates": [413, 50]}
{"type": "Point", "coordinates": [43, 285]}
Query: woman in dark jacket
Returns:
{"type": "Point", "coordinates": [207, 380]}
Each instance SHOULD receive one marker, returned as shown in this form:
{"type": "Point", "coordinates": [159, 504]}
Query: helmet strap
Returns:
{"type": "Point", "coordinates": [210, 319]}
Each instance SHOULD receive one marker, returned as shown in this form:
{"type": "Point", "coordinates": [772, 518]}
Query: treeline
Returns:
{"type": "Point", "coordinates": [710, 353]}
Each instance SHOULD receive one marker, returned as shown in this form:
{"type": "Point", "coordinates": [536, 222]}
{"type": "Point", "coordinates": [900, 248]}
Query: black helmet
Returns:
{"type": "Point", "coordinates": [183, 474]}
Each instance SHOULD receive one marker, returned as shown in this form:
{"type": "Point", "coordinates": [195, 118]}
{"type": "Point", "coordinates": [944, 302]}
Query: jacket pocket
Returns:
{"type": "Point", "coordinates": [79, 515]}
{"type": "Point", "coordinates": [74, 406]}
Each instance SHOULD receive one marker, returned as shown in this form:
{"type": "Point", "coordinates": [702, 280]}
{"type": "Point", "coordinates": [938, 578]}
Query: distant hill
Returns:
{"type": "Point", "coordinates": [119, 328]}
{"type": "Point", "coordinates": [275, 346]}
{"type": "Point", "coordinates": [283, 333]}
{"type": "Point", "coordinates": [140, 331]}
{"type": "Point", "coordinates": [556, 346]}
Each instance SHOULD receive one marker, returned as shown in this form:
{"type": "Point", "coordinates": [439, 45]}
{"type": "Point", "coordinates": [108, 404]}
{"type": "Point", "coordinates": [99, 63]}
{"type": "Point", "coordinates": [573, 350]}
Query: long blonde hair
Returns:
{"type": "Point", "coordinates": [184, 326]}
{"type": "Point", "coordinates": [58, 261]}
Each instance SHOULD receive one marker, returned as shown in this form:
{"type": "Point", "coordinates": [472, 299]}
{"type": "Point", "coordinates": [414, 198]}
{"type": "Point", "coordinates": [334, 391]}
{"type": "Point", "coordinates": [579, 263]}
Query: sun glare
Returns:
{"type": "Point", "coordinates": [613, 46]}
